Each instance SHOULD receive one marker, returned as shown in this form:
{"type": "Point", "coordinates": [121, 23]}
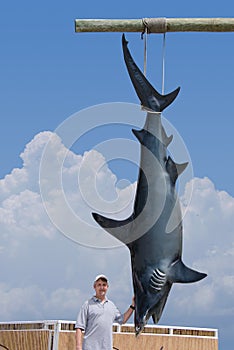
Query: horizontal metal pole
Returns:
{"type": "Point", "coordinates": [155, 25]}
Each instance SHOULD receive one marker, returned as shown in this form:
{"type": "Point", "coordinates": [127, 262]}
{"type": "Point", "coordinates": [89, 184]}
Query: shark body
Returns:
{"type": "Point", "coordinates": [153, 233]}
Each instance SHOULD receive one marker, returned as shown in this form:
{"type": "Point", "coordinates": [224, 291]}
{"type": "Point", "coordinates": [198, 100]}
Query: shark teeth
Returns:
{"type": "Point", "coordinates": [157, 280]}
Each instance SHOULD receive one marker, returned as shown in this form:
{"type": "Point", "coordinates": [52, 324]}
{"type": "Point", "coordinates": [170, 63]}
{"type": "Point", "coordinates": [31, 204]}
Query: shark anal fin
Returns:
{"type": "Point", "coordinates": [180, 273]}
{"type": "Point", "coordinates": [167, 139]}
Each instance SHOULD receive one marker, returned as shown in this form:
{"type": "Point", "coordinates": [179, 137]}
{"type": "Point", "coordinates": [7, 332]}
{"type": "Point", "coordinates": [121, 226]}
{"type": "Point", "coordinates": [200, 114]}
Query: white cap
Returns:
{"type": "Point", "coordinates": [98, 277]}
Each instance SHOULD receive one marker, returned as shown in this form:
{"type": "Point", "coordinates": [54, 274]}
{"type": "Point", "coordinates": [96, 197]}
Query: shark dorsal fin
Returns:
{"type": "Point", "coordinates": [139, 134]}
{"type": "Point", "coordinates": [117, 228]}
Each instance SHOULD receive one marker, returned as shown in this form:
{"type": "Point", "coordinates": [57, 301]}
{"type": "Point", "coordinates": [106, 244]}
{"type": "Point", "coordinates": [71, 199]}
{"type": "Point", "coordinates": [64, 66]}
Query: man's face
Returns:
{"type": "Point", "coordinates": [100, 287]}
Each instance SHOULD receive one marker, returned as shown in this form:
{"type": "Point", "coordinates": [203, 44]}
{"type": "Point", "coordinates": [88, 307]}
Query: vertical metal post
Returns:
{"type": "Point", "coordinates": [57, 329]}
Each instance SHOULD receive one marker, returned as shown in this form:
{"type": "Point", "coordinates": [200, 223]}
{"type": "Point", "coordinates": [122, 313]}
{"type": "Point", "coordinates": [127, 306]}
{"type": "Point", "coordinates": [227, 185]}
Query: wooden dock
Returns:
{"type": "Point", "coordinates": [60, 335]}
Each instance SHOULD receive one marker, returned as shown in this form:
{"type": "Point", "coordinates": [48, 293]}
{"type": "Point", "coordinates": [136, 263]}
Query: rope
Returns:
{"type": "Point", "coordinates": [163, 62]}
{"type": "Point", "coordinates": [144, 35]}
{"type": "Point", "coordinates": [145, 50]}
{"type": "Point", "coordinates": [155, 25]}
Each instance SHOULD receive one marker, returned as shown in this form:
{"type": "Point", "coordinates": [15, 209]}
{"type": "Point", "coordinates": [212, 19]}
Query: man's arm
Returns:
{"type": "Point", "coordinates": [80, 325]}
{"type": "Point", "coordinates": [78, 339]}
{"type": "Point", "coordinates": [129, 311]}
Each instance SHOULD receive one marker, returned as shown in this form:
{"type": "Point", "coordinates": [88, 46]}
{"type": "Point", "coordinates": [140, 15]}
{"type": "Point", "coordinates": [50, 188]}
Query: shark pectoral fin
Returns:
{"type": "Point", "coordinates": [180, 273]}
{"type": "Point", "coordinates": [117, 228]}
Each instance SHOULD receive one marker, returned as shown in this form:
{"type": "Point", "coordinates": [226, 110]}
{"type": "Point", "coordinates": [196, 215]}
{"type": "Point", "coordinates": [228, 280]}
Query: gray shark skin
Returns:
{"type": "Point", "coordinates": [153, 233]}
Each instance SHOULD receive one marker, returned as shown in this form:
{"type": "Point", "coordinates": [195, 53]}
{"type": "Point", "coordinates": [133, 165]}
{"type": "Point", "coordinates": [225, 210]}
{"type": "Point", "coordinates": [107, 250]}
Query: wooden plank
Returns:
{"type": "Point", "coordinates": [24, 340]}
{"type": "Point", "coordinates": [24, 336]}
{"type": "Point", "coordinates": [153, 342]}
{"type": "Point", "coordinates": [67, 340]}
{"type": "Point", "coordinates": [155, 25]}
{"type": "Point", "coordinates": [39, 340]}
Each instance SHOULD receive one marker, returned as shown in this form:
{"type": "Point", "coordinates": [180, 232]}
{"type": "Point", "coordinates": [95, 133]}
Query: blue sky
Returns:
{"type": "Point", "coordinates": [44, 63]}
{"type": "Point", "coordinates": [49, 73]}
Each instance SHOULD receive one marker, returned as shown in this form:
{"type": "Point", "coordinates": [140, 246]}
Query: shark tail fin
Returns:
{"type": "Point", "coordinates": [150, 98]}
{"type": "Point", "coordinates": [180, 273]}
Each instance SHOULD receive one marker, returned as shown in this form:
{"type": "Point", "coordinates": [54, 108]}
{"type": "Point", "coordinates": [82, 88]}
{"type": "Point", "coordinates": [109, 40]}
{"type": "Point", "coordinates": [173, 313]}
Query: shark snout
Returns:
{"type": "Point", "coordinates": [139, 326]}
{"type": "Point", "coordinates": [140, 321]}
{"type": "Point", "coordinates": [138, 329]}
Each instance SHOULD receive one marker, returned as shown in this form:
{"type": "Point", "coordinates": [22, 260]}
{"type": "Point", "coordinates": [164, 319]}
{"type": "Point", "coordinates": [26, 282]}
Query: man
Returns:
{"type": "Point", "coordinates": [96, 318]}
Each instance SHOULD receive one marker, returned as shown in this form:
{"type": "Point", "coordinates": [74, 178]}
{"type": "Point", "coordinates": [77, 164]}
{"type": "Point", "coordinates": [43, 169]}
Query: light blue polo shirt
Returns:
{"type": "Point", "coordinates": [96, 319]}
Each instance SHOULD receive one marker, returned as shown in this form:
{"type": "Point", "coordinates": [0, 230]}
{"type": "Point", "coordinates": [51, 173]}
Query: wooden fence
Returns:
{"type": "Point", "coordinates": [166, 338]}
{"type": "Point", "coordinates": [60, 335]}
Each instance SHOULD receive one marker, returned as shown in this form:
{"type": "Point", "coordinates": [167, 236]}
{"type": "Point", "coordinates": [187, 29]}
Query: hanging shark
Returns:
{"type": "Point", "coordinates": [153, 233]}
